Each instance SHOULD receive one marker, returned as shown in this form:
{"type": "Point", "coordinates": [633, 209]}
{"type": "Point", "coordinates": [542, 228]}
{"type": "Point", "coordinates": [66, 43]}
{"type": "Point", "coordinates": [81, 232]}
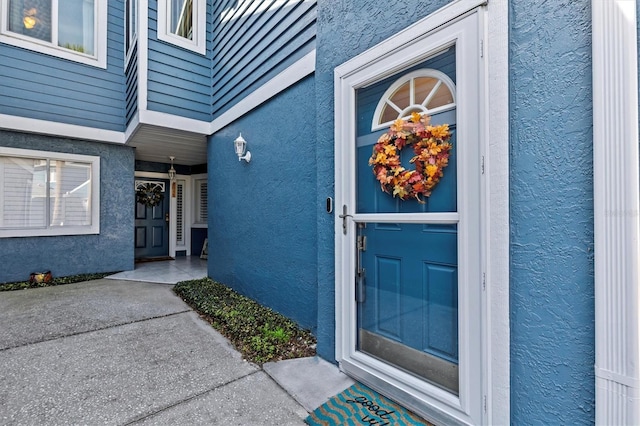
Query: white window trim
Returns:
{"type": "Point", "coordinates": [616, 211]}
{"type": "Point", "coordinates": [94, 228]}
{"type": "Point", "coordinates": [98, 60]}
{"type": "Point", "coordinates": [186, 232]}
{"type": "Point", "coordinates": [196, 200]}
{"type": "Point", "coordinates": [495, 188]}
{"type": "Point", "coordinates": [199, 42]}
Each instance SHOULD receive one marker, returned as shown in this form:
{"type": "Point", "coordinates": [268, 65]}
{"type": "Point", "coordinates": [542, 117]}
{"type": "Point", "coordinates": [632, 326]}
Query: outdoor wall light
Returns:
{"type": "Point", "coordinates": [172, 171]}
{"type": "Point", "coordinates": [241, 147]}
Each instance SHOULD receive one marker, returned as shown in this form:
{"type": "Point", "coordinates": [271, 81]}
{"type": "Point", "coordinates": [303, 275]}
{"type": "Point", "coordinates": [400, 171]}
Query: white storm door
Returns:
{"type": "Point", "coordinates": [412, 327]}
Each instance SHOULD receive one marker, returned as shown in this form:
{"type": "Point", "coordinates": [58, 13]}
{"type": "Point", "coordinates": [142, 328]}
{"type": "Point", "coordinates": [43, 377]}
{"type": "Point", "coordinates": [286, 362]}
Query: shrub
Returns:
{"type": "Point", "coordinates": [21, 285]}
{"type": "Point", "coordinates": [259, 333]}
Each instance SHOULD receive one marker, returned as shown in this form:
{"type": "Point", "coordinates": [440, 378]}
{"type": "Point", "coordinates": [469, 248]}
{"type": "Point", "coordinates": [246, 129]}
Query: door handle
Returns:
{"type": "Point", "coordinates": [344, 217]}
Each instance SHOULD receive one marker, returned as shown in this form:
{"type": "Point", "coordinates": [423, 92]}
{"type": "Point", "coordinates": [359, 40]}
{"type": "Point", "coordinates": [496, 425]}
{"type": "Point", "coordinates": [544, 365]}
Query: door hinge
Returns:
{"type": "Point", "coordinates": [482, 165]}
{"type": "Point", "coordinates": [484, 281]}
{"type": "Point", "coordinates": [485, 403]}
{"type": "Point", "coordinates": [481, 48]}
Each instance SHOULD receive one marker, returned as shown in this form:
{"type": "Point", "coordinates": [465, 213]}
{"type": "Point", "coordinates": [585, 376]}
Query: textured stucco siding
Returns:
{"type": "Point", "coordinates": [345, 29]}
{"type": "Point", "coordinates": [111, 250]}
{"type": "Point", "coordinates": [262, 214]}
{"type": "Point", "coordinates": [551, 214]}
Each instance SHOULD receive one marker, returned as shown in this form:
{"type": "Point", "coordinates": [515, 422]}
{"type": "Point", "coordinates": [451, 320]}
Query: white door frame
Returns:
{"type": "Point", "coordinates": [173, 208]}
{"type": "Point", "coordinates": [492, 379]}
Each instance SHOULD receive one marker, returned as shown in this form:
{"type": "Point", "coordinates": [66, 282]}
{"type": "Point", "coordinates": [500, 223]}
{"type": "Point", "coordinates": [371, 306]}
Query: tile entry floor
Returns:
{"type": "Point", "coordinates": [166, 271]}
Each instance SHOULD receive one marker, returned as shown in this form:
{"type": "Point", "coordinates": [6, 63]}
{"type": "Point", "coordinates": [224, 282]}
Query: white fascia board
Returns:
{"type": "Point", "coordinates": [174, 122]}
{"type": "Point", "coordinates": [52, 128]}
{"type": "Point", "coordinates": [296, 72]}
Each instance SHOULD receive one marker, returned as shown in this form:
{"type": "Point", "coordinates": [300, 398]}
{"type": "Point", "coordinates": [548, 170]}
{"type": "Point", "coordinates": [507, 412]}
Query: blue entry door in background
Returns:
{"type": "Point", "coordinates": [152, 226]}
{"type": "Point", "coordinates": [407, 294]}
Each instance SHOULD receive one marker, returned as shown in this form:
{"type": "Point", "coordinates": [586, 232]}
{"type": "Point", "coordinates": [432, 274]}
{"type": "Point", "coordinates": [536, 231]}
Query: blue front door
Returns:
{"type": "Point", "coordinates": [407, 284]}
{"type": "Point", "coordinates": [152, 226]}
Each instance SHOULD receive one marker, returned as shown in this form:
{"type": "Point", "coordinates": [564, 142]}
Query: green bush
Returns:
{"type": "Point", "coordinates": [259, 333]}
{"type": "Point", "coordinates": [21, 285]}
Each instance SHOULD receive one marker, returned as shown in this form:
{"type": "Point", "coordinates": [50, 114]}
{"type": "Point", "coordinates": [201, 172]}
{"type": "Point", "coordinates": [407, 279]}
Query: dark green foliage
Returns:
{"type": "Point", "coordinates": [21, 285]}
{"type": "Point", "coordinates": [259, 333]}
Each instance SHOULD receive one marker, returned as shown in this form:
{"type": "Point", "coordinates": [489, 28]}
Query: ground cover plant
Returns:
{"type": "Point", "coordinates": [21, 285]}
{"type": "Point", "coordinates": [259, 333]}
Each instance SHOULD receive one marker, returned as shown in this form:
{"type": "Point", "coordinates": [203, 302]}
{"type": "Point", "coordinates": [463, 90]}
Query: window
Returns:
{"type": "Point", "coordinates": [201, 200]}
{"type": "Point", "coordinates": [44, 193]}
{"type": "Point", "coordinates": [180, 213]}
{"type": "Point", "coordinates": [71, 29]}
{"type": "Point", "coordinates": [426, 91]}
{"type": "Point", "coordinates": [131, 24]}
{"type": "Point", "coordinates": [182, 22]}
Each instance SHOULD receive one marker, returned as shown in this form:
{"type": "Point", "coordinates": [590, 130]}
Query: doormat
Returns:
{"type": "Point", "coordinates": [359, 405]}
{"type": "Point", "coordinates": [152, 259]}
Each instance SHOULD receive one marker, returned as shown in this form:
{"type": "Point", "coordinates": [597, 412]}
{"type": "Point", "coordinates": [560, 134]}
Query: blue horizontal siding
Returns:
{"type": "Point", "coordinates": [179, 80]}
{"type": "Point", "coordinates": [40, 86]}
{"type": "Point", "coordinates": [250, 46]}
{"type": "Point", "coordinates": [131, 102]}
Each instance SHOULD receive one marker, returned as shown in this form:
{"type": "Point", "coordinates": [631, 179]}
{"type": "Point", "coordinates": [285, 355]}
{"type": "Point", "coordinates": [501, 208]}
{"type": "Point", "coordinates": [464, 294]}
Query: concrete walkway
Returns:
{"type": "Point", "coordinates": [123, 352]}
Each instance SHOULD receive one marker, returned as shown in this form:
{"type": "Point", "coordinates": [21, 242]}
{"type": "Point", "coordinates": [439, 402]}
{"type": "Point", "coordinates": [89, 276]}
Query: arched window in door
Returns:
{"type": "Point", "coordinates": [426, 91]}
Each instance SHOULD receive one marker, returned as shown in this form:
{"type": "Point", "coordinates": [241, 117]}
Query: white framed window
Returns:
{"type": "Point", "coordinates": [70, 29]}
{"type": "Point", "coordinates": [201, 201]}
{"type": "Point", "coordinates": [131, 26]}
{"type": "Point", "coordinates": [46, 193]}
{"type": "Point", "coordinates": [180, 208]}
{"type": "Point", "coordinates": [183, 23]}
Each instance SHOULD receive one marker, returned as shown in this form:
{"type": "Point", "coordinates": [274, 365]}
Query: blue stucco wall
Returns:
{"type": "Point", "coordinates": [345, 29]}
{"type": "Point", "coordinates": [551, 212]}
{"type": "Point", "coordinates": [111, 250]}
{"type": "Point", "coordinates": [262, 214]}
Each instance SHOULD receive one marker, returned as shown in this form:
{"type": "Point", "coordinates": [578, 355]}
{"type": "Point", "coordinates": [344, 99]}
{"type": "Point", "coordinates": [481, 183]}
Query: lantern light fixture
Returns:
{"type": "Point", "coordinates": [172, 171]}
{"type": "Point", "coordinates": [241, 149]}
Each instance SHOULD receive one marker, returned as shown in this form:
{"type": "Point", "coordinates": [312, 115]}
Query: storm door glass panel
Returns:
{"type": "Point", "coordinates": [24, 192]}
{"type": "Point", "coordinates": [407, 295]}
{"type": "Point", "coordinates": [408, 302]}
{"type": "Point", "coordinates": [370, 197]}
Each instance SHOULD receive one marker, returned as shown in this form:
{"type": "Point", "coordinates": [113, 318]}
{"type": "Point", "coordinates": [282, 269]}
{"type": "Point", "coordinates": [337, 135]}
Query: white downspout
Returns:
{"type": "Point", "coordinates": [616, 212]}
